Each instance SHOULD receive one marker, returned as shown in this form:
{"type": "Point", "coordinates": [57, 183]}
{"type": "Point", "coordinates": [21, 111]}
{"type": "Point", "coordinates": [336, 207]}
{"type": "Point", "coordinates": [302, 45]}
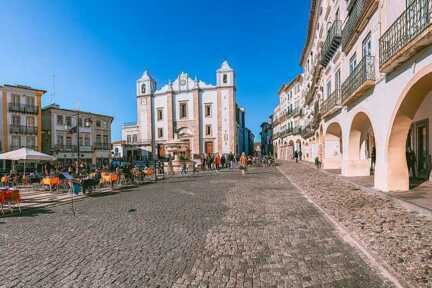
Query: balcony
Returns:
{"type": "Point", "coordinates": [297, 112]}
{"type": "Point", "coordinates": [102, 146]}
{"type": "Point", "coordinates": [71, 148]}
{"type": "Point", "coordinates": [25, 130]}
{"type": "Point", "coordinates": [332, 42]}
{"type": "Point", "coordinates": [16, 147]}
{"type": "Point", "coordinates": [406, 36]}
{"type": "Point", "coordinates": [360, 80]}
{"type": "Point", "coordinates": [332, 104]}
{"type": "Point", "coordinates": [23, 108]}
{"type": "Point", "coordinates": [297, 131]}
{"type": "Point", "coordinates": [360, 12]}
{"type": "Point", "coordinates": [307, 132]}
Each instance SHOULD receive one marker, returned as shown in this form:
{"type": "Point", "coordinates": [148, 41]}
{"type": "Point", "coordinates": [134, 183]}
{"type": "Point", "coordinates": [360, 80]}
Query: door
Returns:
{"type": "Point", "coordinates": [161, 151]}
{"type": "Point", "coordinates": [422, 148]}
{"type": "Point", "coordinates": [209, 147]}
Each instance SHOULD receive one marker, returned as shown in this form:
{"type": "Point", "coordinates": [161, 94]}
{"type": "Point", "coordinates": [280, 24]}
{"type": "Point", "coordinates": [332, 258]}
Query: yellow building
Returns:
{"type": "Point", "coordinates": [21, 117]}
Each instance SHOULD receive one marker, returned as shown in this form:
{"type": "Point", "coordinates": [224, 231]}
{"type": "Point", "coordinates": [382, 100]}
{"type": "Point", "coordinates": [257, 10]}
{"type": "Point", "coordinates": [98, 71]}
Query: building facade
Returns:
{"type": "Point", "coordinates": [60, 127]}
{"type": "Point", "coordinates": [286, 119]}
{"type": "Point", "coordinates": [267, 138]}
{"type": "Point", "coordinates": [198, 117]}
{"type": "Point", "coordinates": [367, 89]}
{"type": "Point", "coordinates": [21, 117]}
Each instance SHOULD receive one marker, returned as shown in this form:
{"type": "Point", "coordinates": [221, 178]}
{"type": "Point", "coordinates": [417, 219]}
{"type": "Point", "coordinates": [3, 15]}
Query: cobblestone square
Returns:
{"type": "Point", "coordinates": [221, 230]}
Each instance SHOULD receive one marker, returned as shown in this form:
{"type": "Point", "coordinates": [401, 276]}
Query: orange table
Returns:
{"type": "Point", "coordinates": [50, 181]}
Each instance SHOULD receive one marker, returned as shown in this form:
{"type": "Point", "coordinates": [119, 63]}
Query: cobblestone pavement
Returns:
{"type": "Point", "coordinates": [209, 231]}
{"type": "Point", "coordinates": [399, 237]}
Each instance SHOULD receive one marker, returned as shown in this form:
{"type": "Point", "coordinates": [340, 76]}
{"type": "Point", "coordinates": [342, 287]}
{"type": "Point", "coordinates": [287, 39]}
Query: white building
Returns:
{"type": "Point", "coordinates": [186, 112]}
{"type": "Point", "coordinates": [367, 89]}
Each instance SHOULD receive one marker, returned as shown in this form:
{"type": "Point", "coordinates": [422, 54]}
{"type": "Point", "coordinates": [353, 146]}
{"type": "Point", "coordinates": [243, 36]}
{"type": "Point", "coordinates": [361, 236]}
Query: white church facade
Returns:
{"type": "Point", "coordinates": [192, 116]}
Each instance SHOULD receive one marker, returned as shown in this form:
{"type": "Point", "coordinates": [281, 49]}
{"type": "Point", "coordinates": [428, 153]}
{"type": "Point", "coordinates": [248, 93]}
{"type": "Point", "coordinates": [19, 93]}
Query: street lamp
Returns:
{"type": "Point", "coordinates": [76, 130]}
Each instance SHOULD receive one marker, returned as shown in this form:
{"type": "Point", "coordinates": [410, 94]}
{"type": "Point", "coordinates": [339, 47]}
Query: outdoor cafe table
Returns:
{"type": "Point", "coordinates": [50, 181]}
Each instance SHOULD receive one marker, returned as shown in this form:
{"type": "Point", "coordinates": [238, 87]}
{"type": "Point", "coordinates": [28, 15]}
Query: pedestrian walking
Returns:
{"type": "Point", "coordinates": [223, 161]}
{"type": "Point", "coordinates": [217, 161]}
{"type": "Point", "coordinates": [184, 171]}
{"type": "Point", "coordinates": [243, 163]}
{"type": "Point", "coordinates": [296, 155]}
{"type": "Point", "coordinates": [373, 159]}
{"type": "Point", "coordinates": [300, 154]}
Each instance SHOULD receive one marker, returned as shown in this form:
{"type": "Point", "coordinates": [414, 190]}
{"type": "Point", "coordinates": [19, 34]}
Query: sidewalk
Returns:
{"type": "Point", "coordinates": [420, 196]}
{"type": "Point", "coordinates": [398, 235]}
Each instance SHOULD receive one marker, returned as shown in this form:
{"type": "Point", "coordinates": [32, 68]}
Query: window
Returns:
{"type": "Point", "coordinates": [98, 123]}
{"type": "Point", "coordinates": [225, 78]}
{"type": "Point", "coordinates": [160, 132]}
{"type": "Point", "coordinates": [60, 140]}
{"type": "Point", "coordinates": [59, 119]}
{"type": "Point", "coordinates": [159, 114]}
{"type": "Point", "coordinates": [353, 62]}
{"type": "Point", "coordinates": [16, 120]}
{"type": "Point", "coordinates": [81, 140]}
{"type": "Point", "coordinates": [98, 139]}
{"type": "Point", "coordinates": [329, 88]}
{"type": "Point", "coordinates": [68, 121]}
{"type": "Point", "coordinates": [208, 110]}
{"type": "Point", "coordinates": [367, 46]}
{"type": "Point", "coordinates": [16, 99]}
{"type": "Point", "coordinates": [68, 141]}
{"type": "Point", "coordinates": [143, 89]}
{"type": "Point", "coordinates": [183, 110]}
{"type": "Point", "coordinates": [135, 138]}
{"type": "Point", "coordinates": [87, 140]}
{"type": "Point", "coordinates": [30, 100]}
{"type": "Point", "coordinates": [208, 130]}
{"type": "Point", "coordinates": [338, 79]}
{"type": "Point", "coordinates": [30, 122]}
{"type": "Point", "coordinates": [105, 139]}
{"type": "Point", "coordinates": [129, 139]}
{"type": "Point", "coordinates": [16, 141]}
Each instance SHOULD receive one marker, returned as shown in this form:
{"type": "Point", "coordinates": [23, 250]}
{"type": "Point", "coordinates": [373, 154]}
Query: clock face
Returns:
{"type": "Point", "coordinates": [183, 82]}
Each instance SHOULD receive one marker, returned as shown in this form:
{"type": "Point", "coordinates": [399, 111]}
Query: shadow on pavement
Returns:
{"type": "Point", "coordinates": [27, 212]}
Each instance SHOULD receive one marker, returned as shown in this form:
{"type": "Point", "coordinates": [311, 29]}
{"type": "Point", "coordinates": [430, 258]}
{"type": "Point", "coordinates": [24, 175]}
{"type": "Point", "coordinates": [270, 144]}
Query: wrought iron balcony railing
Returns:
{"type": "Point", "coordinates": [23, 108]}
{"type": "Point", "coordinates": [307, 132]}
{"type": "Point", "coordinates": [360, 79]}
{"type": "Point", "coordinates": [410, 24]}
{"type": "Point", "coordinates": [71, 148]}
{"type": "Point", "coordinates": [16, 147]}
{"type": "Point", "coordinates": [332, 42]}
{"type": "Point", "coordinates": [21, 129]}
{"type": "Point", "coordinates": [332, 103]}
{"type": "Point", "coordinates": [359, 10]}
{"type": "Point", "coordinates": [102, 146]}
{"type": "Point", "coordinates": [297, 131]}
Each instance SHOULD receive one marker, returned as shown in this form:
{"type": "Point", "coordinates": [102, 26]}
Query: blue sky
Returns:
{"type": "Point", "coordinates": [97, 49]}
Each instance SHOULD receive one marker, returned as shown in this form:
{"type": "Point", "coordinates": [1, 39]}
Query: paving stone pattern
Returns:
{"type": "Point", "coordinates": [400, 237]}
{"type": "Point", "coordinates": [209, 231]}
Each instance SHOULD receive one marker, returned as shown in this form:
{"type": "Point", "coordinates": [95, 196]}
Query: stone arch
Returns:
{"type": "Point", "coordinates": [332, 158]}
{"type": "Point", "coordinates": [361, 147]}
{"type": "Point", "coordinates": [411, 99]}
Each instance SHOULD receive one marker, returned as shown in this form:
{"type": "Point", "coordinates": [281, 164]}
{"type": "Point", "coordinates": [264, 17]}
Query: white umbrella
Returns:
{"type": "Point", "coordinates": [26, 154]}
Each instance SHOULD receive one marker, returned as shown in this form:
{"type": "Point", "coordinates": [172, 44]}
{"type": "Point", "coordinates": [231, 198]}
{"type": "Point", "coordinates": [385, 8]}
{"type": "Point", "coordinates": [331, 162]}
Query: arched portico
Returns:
{"type": "Point", "coordinates": [409, 135]}
{"type": "Point", "coordinates": [332, 158]}
{"type": "Point", "coordinates": [361, 147]}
